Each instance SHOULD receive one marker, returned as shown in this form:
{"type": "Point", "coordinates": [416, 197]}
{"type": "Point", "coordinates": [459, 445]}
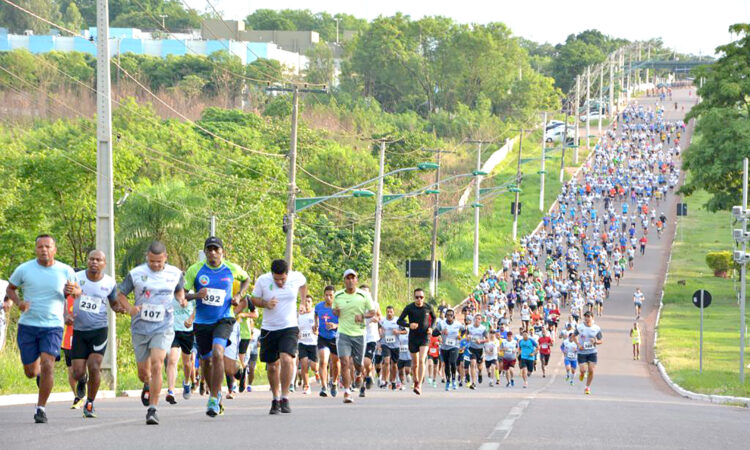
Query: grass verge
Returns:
{"type": "Point", "coordinates": [678, 344]}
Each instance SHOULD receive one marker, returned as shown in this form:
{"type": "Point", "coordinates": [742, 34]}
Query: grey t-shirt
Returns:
{"type": "Point", "coordinates": [586, 336]}
{"type": "Point", "coordinates": [451, 339]}
{"type": "Point", "coordinates": [90, 309]}
{"type": "Point", "coordinates": [153, 292]}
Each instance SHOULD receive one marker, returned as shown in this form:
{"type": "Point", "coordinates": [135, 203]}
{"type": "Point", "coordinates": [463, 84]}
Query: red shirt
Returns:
{"type": "Point", "coordinates": [644, 240]}
{"type": "Point", "coordinates": [545, 345]}
{"type": "Point", "coordinates": [434, 350]}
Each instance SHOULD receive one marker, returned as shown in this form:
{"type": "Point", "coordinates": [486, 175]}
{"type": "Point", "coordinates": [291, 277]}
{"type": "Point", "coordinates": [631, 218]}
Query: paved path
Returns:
{"type": "Point", "coordinates": [630, 406]}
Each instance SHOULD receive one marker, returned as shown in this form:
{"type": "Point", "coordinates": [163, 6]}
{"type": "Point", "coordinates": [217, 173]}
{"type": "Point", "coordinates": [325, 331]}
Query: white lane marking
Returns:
{"type": "Point", "coordinates": [505, 426]}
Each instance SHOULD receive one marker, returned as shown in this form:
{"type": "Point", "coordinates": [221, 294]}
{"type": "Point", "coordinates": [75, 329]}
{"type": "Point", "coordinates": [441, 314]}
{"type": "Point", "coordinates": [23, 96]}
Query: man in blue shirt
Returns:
{"type": "Point", "coordinates": [328, 324]}
{"type": "Point", "coordinates": [528, 352]}
{"type": "Point", "coordinates": [45, 284]}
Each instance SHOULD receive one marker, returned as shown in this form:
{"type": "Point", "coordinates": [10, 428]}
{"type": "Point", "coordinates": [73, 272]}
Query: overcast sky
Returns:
{"type": "Point", "coordinates": [689, 28]}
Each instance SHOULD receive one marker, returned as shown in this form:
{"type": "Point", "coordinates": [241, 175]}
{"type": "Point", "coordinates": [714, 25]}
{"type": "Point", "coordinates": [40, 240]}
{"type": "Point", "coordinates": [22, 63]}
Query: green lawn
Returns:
{"type": "Point", "coordinates": [678, 343]}
{"type": "Point", "coordinates": [496, 222]}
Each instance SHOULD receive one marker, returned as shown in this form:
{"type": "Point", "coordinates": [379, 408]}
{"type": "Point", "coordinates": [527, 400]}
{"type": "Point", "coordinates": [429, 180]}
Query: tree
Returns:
{"type": "Point", "coordinates": [715, 156]}
{"type": "Point", "coordinates": [73, 18]}
{"type": "Point", "coordinates": [320, 67]}
{"type": "Point", "coordinates": [18, 21]}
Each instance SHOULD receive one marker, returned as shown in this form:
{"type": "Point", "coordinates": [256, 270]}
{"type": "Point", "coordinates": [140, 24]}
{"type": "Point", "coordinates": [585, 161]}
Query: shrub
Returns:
{"type": "Point", "coordinates": [719, 262]}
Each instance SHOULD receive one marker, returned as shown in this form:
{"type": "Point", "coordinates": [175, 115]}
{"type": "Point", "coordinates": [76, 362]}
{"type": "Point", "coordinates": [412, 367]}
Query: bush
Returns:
{"type": "Point", "coordinates": [719, 262]}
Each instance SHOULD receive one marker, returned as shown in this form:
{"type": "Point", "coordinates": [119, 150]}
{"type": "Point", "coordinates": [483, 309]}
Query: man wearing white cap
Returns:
{"type": "Point", "coordinates": [352, 306]}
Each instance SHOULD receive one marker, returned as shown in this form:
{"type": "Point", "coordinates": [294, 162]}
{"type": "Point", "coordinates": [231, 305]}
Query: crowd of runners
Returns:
{"type": "Point", "coordinates": [544, 298]}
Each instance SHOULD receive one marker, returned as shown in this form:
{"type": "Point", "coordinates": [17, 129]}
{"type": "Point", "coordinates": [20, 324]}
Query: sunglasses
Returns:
{"type": "Point", "coordinates": [418, 297]}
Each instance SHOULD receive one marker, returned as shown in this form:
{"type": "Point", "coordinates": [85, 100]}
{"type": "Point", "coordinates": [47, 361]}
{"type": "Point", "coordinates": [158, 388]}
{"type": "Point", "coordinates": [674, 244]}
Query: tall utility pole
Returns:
{"type": "Point", "coordinates": [433, 244]}
{"type": "Point", "coordinates": [518, 186]}
{"type": "Point", "coordinates": [648, 58]}
{"type": "Point", "coordinates": [290, 207]}
{"type": "Point", "coordinates": [611, 64]}
{"type": "Point", "coordinates": [212, 226]}
{"type": "Point", "coordinates": [564, 143]}
{"type": "Point", "coordinates": [743, 272]}
{"type": "Point", "coordinates": [622, 78]}
{"type": "Point", "coordinates": [588, 109]}
{"type": "Point", "coordinates": [289, 254]}
{"type": "Point", "coordinates": [576, 113]}
{"type": "Point", "coordinates": [542, 171]}
{"type": "Point", "coordinates": [630, 69]}
{"type": "Point", "coordinates": [378, 219]}
{"type": "Point", "coordinates": [476, 210]}
{"type": "Point", "coordinates": [105, 216]}
{"type": "Point", "coordinates": [601, 96]}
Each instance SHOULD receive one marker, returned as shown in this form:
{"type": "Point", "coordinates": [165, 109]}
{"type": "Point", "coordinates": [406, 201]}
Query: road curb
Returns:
{"type": "Point", "coordinates": [55, 397]}
{"type": "Point", "coordinates": [720, 399]}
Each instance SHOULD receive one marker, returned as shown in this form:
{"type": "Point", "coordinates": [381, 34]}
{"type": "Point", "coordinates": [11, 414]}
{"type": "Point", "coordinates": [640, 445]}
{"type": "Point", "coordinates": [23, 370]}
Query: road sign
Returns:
{"type": "Point", "coordinates": [697, 298]}
{"type": "Point", "coordinates": [513, 207]}
{"type": "Point", "coordinates": [416, 268]}
{"type": "Point", "coordinates": [682, 209]}
{"type": "Point", "coordinates": [701, 299]}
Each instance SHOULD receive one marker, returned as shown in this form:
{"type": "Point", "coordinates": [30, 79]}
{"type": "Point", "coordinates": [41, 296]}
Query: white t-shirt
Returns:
{"type": "Point", "coordinates": [284, 315]}
{"type": "Point", "coordinates": [373, 334]}
{"type": "Point", "coordinates": [306, 335]}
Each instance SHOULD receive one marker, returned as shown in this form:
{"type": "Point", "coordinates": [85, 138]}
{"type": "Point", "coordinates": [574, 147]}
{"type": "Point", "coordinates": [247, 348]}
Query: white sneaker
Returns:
{"type": "Point", "coordinates": [307, 390]}
{"type": "Point", "coordinates": [348, 398]}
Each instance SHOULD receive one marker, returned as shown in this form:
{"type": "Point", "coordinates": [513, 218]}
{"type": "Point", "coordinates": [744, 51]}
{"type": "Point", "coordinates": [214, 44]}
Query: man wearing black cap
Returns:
{"type": "Point", "coordinates": [419, 318]}
{"type": "Point", "coordinates": [211, 281]}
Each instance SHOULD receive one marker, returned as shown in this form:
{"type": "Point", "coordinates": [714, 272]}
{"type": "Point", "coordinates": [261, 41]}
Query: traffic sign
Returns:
{"type": "Point", "coordinates": [697, 298]}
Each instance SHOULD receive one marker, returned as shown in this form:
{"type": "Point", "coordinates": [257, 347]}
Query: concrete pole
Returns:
{"type": "Point", "coordinates": [648, 58]}
{"type": "Point", "coordinates": [620, 93]}
{"type": "Point", "coordinates": [541, 175]}
{"type": "Point", "coordinates": [105, 216]}
{"type": "Point", "coordinates": [588, 106]}
{"type": "Point", "coordinates": [611, 88]}
{"type": "Point", "coordinates": [576, 112]}
{"type": "Point", "coordinates": [212, 226]}
{"type": "Point", "coordinates": [601, 96]}
{"type": "Point", "coordinates": [292, 181]}
{"type": "Point", "coordinates": [744, 272]}
{"type": "Point", "coordinates": [433, 246]}
{"type": "Point", "coordinates": [518, 186]}
{"type": "Point", "coordinates": [378, 219]}
{"type": "Point", "coordinates": [476, 211]}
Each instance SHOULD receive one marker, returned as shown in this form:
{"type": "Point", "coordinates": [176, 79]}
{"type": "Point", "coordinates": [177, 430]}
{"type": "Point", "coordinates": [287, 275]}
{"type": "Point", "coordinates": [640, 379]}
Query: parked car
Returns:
{"type": "Point", "coordinates": [592, 115]}
{"type": "Point", "coordinates": [556, 134]}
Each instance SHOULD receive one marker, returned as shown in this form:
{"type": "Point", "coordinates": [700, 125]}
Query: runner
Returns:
{"type": "Point", "coordinates": [405, 362]}
{"type": "Point", "coordinates": [477, 337]}
{"type": "Point", "coordinates": [418, 318]}
{"type": "Point", "coordinates": [545, 350]}
{"type": "Point", "coordinates": [529, 349]}
{"type": "Point", "coordinates": [308, 340]}
{"type": "Point", "coordinates": [638, 302]}
{"type": "Point", "coordinates": [154, 283]}
{"type": "Point", "coordinates": [569, 348]}
{"type": "Point", "coordinates": [510, 350]}
{"type": "Point", "coordinates": [182, 346]}
{"type": "Point", "coordinates": [490, 358]}
{"type": "Point", "coordinates": [372, 336]}
{"type": "Point", "coordinates": [45, 284]}
{"type": "Point", "coordinates": [89, 320]}
{"type": "Point", "coordinates": [433, 358]}
{"type": "Point", "coordinates": [248, 341]}
{"type": "Point", "coordinates": [587, 335]}
{"type": "Point", "coordinates": [352, 306]}
{"type": "Point", "coordinates": [78, 387]}
{"type": "Point", "coordinates": [216, 328]}
{"type": "Point", "coordinates": [450, 330]}
{"type": "Point", "coordinates": [328, 324]}
{"type": "Point", "coordinates": [391, 332]}
{"type": "Point", "coordinates": [277, 291]}
{"type": "Point", "coordinates": [635, 336]}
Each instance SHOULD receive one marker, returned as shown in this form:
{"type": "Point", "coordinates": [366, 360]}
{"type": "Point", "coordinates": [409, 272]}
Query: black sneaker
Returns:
{"type": "Point", "coordinates": [285, 406]}
{"type": "Point", "coordinates": [480, 378]}
{"type": "Point", "coordinates": [362, 391]}
{"type": "Point", "coordinates": [81, 387]}
{"type": "Point", "coordinates": [275, 408]}
{"type": "Point", "coordinates": [151, 417]}
{"type": "Point", "coordinates": [170, 398]}
{"type": "Point", "coordinates": [243, 381]}
{"type": "Point", "coordinates": [323, 393]}
{"type": "Point", "coordinates": [368, 383]}
{"type": "Point", "coordinates": [145, 394]}
{"type": "Point", "coordinates": [40, 416]}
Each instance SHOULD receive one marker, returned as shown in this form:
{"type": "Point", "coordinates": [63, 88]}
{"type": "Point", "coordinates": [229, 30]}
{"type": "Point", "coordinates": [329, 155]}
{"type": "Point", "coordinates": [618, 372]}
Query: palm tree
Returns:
{"type": "Point", "coordinates": [165, 212]}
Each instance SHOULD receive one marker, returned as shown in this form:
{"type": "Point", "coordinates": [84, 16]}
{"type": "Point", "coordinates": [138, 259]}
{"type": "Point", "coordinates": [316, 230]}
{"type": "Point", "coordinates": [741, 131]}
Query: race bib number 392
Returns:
{"type": "Point", "coordinates": [214, 297]}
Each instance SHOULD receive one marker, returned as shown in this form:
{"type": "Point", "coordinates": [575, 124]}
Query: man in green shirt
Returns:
{"type": "Point", "coordinates": [352, 306]}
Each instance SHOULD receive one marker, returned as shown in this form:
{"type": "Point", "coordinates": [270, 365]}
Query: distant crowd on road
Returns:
{"type": "Point", "coordinates": [544, 298]}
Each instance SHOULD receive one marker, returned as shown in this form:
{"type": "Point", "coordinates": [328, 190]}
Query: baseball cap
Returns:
{"type": "Point", "coordinates": [348, 272]}
{"type": "Point", "coordinates": [213, 241]}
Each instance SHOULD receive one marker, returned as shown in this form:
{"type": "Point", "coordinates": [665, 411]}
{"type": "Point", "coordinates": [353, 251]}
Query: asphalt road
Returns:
{"type": "Point", "coordinates": [630, 407]}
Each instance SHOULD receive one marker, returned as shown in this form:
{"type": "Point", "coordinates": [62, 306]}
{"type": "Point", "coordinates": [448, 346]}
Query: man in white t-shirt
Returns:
{"type": "Point", "coordinates": [277, 292]}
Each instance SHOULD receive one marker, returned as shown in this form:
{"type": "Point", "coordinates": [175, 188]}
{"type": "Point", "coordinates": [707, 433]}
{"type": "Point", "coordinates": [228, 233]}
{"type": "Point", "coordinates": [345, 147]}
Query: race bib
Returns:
{"type": "Point", "coordinates": [306, 334]}
{"type": "Point", "coordinates": [545, 346]}
{"type": "Point", "coordinates": [390, 339]}
{"type": "Point", "coordinates": [450, 342]}
{"type": "Point", "coordinates": [403, 349]}
{"type": "Point", "coordinates": [214, 297]}
{"type": "Point", "coordinates": [475, 339]}
{"type": "Point", "coordinates": [588, 345]}
{"type": "Point", "coordinates": [467, 358]}
{"type": "Point", "coordinates": [152, 313]}
{"type": "Point", "coordinates": [570, 355]}
{"type": "Point", "coordinates": [90, 304]}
